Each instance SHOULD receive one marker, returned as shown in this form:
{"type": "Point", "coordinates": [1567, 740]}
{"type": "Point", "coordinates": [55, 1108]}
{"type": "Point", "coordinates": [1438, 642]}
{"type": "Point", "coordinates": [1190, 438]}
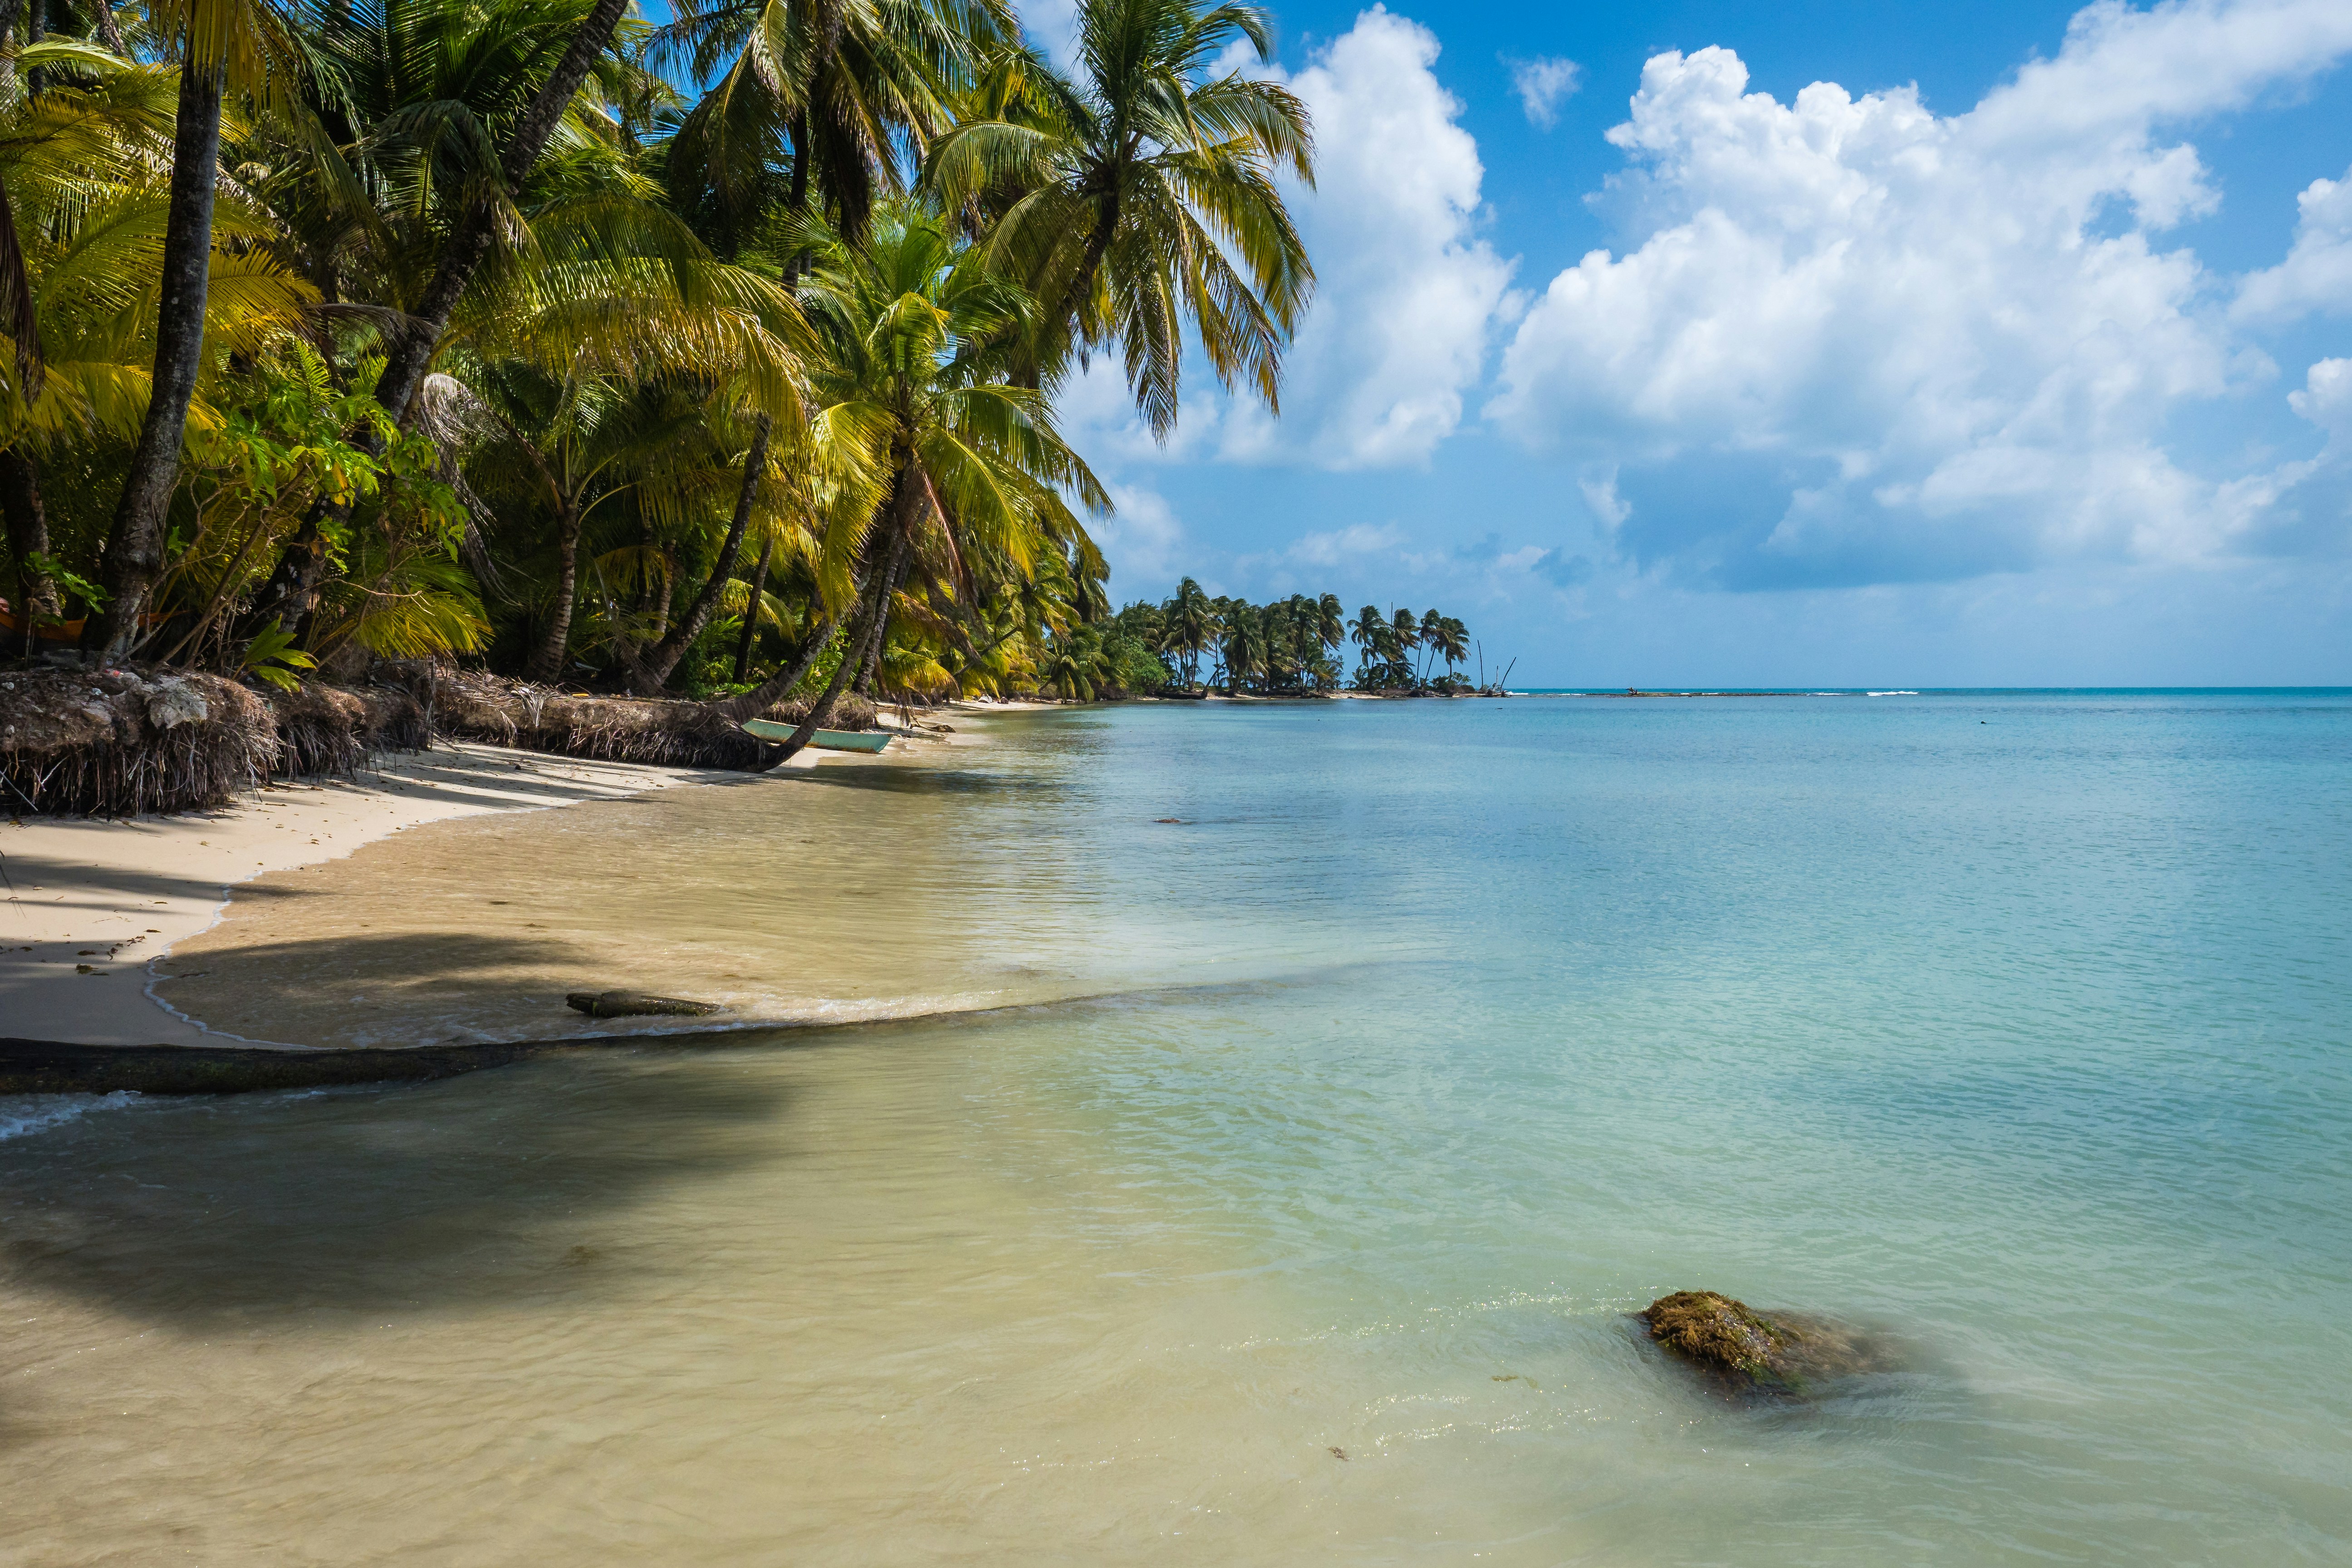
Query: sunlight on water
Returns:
{"type": "Point", "coordinates": [1432, 1040]}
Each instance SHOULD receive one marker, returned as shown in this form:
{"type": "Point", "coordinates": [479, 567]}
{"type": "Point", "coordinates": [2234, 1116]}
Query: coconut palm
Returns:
{"type": "Point", "coordinates": [1242, 648]}
{"type": "Point", "coordinates": [518, 95]}
{"type": "Point", "coordinates": [1373, 639]}
{"type": "Point", "coordinates": [1404, 636]}
{"type": "Point", "coordinates": [814, 99]}
{"type": "Point", "coordinates": [1143, 200]}
{"type": "Point", "coordinates": [220, 44]}
{"type": "Point", "coordinates": [967, 472]}
{"type": "Point", "coordinates": [1191, 626]}
{"type": "Point", "coordinates": [1449, 638]}
{"type": "Point", "coordinates": [84, 230]}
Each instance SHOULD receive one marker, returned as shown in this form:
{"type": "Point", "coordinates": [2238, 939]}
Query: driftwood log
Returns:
{"type": "Point", "coordinates": [636, 1004]}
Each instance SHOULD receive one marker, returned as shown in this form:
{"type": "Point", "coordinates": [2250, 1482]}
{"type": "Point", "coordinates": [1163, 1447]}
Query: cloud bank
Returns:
{"type": "Point", "coordinates": [1917, 347]}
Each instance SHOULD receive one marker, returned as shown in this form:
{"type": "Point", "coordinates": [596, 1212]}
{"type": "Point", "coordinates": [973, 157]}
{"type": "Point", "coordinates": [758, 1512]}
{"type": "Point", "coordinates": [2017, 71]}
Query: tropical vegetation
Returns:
{"type": "Point", "coordinates": [1290, 647]}
{"type": "Point", "coordinates": [716, 358]}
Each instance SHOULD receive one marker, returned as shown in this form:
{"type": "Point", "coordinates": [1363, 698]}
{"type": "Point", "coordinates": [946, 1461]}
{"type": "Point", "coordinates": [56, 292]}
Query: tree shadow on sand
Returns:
{"type": "Point", "coordinates": [484, 1190]}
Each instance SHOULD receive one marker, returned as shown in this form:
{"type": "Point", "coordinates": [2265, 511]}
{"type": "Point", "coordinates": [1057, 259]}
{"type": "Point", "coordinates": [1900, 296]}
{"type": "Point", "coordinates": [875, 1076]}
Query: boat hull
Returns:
{"type": "Point", "coordinates": [823, 740]}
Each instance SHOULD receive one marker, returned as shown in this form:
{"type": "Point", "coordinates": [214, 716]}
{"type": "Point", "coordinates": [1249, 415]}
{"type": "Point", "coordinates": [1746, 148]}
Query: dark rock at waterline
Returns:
{"type": "Point", "coordinates": [1780, 1353]}
{"type": "Point", "coordinates": [636, 1004]}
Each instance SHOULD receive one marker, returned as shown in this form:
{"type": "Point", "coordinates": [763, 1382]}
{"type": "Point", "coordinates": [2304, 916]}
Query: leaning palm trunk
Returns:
{"type": "Point", "coordinates": [655, 670]}
{"type": "Point", "coordinates": [292, 592]}
{"type": "Point", "coordinates": [758, 701]}
{"type": "Point", "coordinates": [404, 368]}
{"type": "Point", "coordinates": [751, 612]}
{"type": "Point", "coordinates": [860, 656]}
{"type": "Point", "coordinates": [134, 548]}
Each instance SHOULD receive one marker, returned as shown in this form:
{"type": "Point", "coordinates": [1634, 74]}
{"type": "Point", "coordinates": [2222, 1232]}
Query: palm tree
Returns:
{"type": "Point", "coordinates": [1450, 638]}
{"type": "Point", "coordinates": [85, 229]}
{"type": "Point", "coordinates": [220, 44]}
{"type": "Point", "coordinates": [1371, 631]}
{"type": "Point", "coordinates": [813, 96]}
{"type": "Point", "coordinates": [1192, 624]}
{"type": "Point", "coordinates": [966, 473]}
{"type": "Point", "coordinates": [1146, 200]}
{"type": "Point", "coordinates": [1405, 636]}
{"type": "Point", "coordinates": [1244, 647]}
{"type": "Point", "coordinates": [510, 96]}
{"type": "Point", "coordinates": [1331, 622]}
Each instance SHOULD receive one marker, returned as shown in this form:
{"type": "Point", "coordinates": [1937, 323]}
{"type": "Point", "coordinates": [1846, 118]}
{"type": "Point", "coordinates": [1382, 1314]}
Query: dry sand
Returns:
{"type": "Point", "coordinates": [86, 905]}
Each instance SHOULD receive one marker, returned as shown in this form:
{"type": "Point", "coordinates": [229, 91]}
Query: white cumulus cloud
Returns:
{"type": "Point", "coordinates": [2316, 275]}
{"type": "Point", "coordinates": [1543, 84]}
{"type": "Point", "coordinates": [1406, 291]}
{"type": "Point", "coordinates": [1955, 341]}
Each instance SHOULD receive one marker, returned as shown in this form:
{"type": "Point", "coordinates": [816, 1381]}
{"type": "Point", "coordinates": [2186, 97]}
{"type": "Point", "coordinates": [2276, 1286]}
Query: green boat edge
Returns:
{"type": "Point", "coordinates": [825, 740]}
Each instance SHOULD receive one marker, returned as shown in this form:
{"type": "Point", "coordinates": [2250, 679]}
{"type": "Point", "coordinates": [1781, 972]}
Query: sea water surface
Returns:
{"type": "Point", "coordinates": [1284, 1197]}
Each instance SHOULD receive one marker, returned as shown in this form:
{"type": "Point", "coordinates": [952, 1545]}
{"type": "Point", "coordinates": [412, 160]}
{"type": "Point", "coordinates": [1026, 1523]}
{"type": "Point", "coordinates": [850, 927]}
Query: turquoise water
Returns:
{"type": "Point", "coordinates": [1434, 1037]}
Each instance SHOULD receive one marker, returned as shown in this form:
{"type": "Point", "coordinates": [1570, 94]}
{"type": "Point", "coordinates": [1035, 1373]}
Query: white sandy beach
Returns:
{"type": "Point", "coordinates": [88, 904]}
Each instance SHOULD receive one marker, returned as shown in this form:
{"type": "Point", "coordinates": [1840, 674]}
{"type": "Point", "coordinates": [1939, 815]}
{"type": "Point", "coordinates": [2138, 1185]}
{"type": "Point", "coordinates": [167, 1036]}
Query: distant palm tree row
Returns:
{"type": "Point", "coordinates": [1289, 647]}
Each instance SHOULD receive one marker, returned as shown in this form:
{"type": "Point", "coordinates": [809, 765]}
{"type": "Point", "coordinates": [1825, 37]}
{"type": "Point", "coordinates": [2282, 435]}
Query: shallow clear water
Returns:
{"type": "Point", "coordinates": [1351, 1113]}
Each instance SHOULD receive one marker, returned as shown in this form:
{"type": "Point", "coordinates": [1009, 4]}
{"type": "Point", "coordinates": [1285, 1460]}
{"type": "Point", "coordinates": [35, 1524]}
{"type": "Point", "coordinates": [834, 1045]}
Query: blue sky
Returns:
{"type": "Point", "coordinates": [1821, 345]}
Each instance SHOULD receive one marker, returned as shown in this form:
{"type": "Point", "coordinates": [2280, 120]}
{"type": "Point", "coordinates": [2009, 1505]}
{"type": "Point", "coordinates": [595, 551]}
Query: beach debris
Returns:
{"type": "Point", "coordinates": [1781, 1353]}
{"type": "Point", "coordinates": [68, 753]}
{"type": "Point", "coordinates": [149, 740]}
{"type": "Point", "coordinates": [637, 1003]}
{"type": "Point", "coordinates": [172, 702]}
{"type": "Point", "coordinates": [1339, 1453]}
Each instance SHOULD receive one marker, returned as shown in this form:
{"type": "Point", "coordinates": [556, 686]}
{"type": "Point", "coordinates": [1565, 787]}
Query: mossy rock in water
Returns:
{"type": "Point", "coordinates": [1782, 1353]}
{"type": "Point", "coordinates": [1717, 1332]}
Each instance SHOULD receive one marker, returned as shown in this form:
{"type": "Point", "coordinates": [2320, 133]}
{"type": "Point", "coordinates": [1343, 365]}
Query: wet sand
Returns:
{"type": "Point", "coordinates": [825, 897]}
{"type": "Point", "coordinates": [88, 907]}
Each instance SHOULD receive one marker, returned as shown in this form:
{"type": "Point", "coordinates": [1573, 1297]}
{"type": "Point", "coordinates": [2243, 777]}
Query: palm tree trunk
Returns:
{"type": "Point", "coordinates": [751, 612]}
{"type": "Point", "coordinates": [36, 27]}
{"type": "Point", "coordinates": [293, 589]}
{"type": "Point", "coordinates": [404, 368]}
{"type": "Point", "coordinates": [797, 200]}
{"type": "Point", "coordinates": [860, 655]}
{"type": "Point", "coordinates": [110, 31]}
{"type": "Point", "coordinates": [865, 687]}
{"type": "Point", "coordinates": [28, 535]}
{"type": "Point", "coordinates": [758, 701]}
{"type": "Point", "coordinates": [664, 659]}
{"type": "Point", "coordinates": [547, 659]}
{"type": "Point", "coordinates": [134, 548]}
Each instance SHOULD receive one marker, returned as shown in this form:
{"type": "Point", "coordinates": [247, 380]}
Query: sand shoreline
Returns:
{"type": "Point", "coordinates": [87, 906]}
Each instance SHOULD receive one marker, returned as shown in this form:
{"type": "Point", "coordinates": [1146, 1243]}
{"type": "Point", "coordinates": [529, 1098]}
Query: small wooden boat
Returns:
{"type": "Point", "coordinates": [823, 740]}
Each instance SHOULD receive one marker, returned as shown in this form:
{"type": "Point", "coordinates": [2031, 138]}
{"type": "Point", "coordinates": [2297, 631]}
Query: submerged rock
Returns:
{"type": "Point", "coordinates": [636, 1004]}
{"type": "Point", "coordinates": [1781, 1352]}
{"type": "Point", "coordinates": [1716, 1331]}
